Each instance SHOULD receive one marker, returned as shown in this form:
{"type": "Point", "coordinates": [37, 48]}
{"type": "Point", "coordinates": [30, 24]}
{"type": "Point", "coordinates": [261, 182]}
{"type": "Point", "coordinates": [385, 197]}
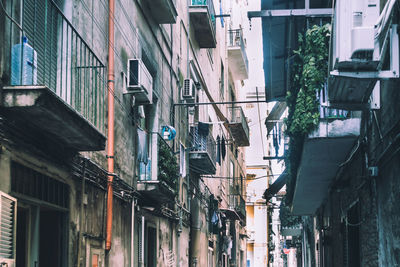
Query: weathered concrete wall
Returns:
{"type": "Point", "coordinates": [379, 213]}
{"type": "Point", "coordinates": [388, 189]}
{"type": "Point", "coordinates": [389, 214]}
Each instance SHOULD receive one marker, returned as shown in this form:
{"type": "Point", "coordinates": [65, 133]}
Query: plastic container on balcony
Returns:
{"type": "Point", "coordinates": [145, 171]}
{"type": "Point", "coordinates": [23, 64]}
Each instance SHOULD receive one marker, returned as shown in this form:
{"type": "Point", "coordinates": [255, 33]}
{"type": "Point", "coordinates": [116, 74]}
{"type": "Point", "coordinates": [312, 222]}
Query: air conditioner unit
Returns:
{"type": "Point", "coordinates": [189, 91]}
{"type": "Point", "coordinates": [354, 44]}
{"type": "Point", "coordinates": [140, 82]}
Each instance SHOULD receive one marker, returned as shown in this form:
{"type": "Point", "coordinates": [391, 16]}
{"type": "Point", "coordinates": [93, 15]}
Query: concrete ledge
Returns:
{"type": "Point", "coordinates": [42, 109]}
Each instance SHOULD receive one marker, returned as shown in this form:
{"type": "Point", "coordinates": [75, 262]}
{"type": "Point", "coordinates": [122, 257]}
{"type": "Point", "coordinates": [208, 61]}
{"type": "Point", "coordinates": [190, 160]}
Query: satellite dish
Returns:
{"type": "Point", "coordinates": [168, 132]}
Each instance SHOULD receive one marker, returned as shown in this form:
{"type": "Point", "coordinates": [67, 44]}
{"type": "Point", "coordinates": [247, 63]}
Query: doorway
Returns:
{"type": "Point", "coordinates": [41, 236]}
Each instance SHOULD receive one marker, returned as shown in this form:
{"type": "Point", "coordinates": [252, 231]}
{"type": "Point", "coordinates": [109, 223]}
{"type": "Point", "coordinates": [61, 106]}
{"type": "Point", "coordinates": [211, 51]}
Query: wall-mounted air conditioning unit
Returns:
{"type": "Point", "coordinates": [189, 91]}
{"type": "Point", "coordinates": [140, 82]}
{"type": "Point", "coordinates": [353, 43]}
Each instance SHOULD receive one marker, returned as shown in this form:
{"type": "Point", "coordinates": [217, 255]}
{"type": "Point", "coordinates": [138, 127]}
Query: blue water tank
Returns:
{"type": "Point", "coordinates": [23, 69]}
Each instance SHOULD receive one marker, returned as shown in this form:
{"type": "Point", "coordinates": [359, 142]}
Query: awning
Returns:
{"type": "Point", "coordinates": [291, 231]}
{"type": "Point", "coordinates": [276, 186]}
{"type": "Point", "coordinates": [231, 214]}
{"type": "Point", "coordinates": [274, 115]}
{"type": "Point", "coordinates": [324, 151]}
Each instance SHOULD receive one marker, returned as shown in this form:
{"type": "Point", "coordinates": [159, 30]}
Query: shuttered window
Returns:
{"type": "Point", "coordinates": [8, 206]}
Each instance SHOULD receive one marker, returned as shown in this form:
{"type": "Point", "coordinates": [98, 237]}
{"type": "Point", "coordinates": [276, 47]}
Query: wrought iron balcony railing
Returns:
{"type": "Point", "coordinates": [166, 170]}
{"type": "Point", "coordinates": [237, 54]}
{"type": "Point", "coordinates": [210, 7]}
{"type": "Point", "coordinates": [236, 117]}
{"type": "Point", "coordinates": [48, 51]}
{"type": "Point", "coordinates": [202, 151]}
{"type": "Point", "coordinates": [237, 203]}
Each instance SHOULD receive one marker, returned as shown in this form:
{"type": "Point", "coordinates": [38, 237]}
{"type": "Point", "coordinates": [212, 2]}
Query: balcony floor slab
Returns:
{"type": "Point", "coordinates": [42, 109]}
{"type": "Point", "coordinates": [156, 190]}
{"type": "Point", "coordinates": [203, 27]}
{"type": "Point", "coordinates": [323, 152]}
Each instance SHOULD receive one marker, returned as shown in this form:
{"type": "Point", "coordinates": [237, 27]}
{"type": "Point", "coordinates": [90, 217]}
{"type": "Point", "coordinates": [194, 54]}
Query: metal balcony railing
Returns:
{"type": "Point", "coordinates": [210, 7]}
{"type": "Point", "coordinates": [166, 166]}
{"type": "Point", "coordinates": [56, 56]}
{"type": "Point", "coordinates": [237, 202]}
{"type": "Point", "coordinates": [235, 39]}
{"type": "Point", "coordinates": [200, 142]}
{"type": "Point", "coordinates": [327, 112]}
{"type": "Point", "coordinates": [236, 115]}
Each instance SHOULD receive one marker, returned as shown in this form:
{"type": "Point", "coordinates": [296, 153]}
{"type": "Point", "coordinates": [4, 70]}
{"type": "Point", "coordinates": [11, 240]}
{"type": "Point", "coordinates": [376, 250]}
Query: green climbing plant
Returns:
{"type": "Point", "coordinates": [168, 167]}
{"type": "Point", "coordinates": [307, 78]}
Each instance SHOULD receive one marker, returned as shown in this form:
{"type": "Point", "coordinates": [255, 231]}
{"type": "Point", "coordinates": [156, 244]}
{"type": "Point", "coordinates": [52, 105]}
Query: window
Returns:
{"type": "Point", "coordinates": [8, 207]}
{"type": "Point", "coordinates": [45, 210]}
{"type": "Point", "coordinates": [143, 155]}
{"type": "Point", "coordinates": [182, 161]}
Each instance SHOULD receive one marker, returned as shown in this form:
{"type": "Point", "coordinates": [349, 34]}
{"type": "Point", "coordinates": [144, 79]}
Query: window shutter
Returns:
{"type": "Point", "coordinates": [8, 210]}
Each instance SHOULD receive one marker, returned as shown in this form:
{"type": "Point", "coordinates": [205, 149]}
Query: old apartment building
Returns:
{"type": "Point", "coordinates": [344, 186]}
{"type": "Point", "coordinates": [111, 151]}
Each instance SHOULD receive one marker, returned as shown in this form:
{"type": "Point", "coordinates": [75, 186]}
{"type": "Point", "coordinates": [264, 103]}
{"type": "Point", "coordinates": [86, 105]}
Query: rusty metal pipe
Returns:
{"type": "Point", "coordinates": [110, 136]}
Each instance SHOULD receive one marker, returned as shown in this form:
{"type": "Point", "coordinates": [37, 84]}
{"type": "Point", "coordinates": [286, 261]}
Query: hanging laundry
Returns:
{"type": "Point", "coordinates": [275, 140]}
{"type": "Point", "coordinates": [142, 148]}
{"type": "Point", "coordinates": [218, 160]}
{"type": "Point", "coordinates": [223, 148]}
{"type": "Point", "coordinates": [214, 219]}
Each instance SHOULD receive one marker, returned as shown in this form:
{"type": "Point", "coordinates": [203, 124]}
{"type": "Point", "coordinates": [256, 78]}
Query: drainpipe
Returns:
{"type": "Point", "coordinates": [133, 233]}
{"type": "Point", "coordinates": [110, 139]}
{"type": "Point", "coordinates": [80, 240]}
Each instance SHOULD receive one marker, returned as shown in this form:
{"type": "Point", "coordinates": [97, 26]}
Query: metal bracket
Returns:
{"type": "Point", "coordinates": [394, 71]}
{"type": "Point", "coordinates": [375, 98]}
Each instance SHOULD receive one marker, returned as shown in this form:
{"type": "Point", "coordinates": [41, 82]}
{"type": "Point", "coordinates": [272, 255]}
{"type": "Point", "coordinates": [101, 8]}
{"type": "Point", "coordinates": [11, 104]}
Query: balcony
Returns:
{"type": "Point", "coordinates": [157, 181]}
{"type": "Point", "coordinates": [240, 207]}
{"type": "Point", "coordinates": [202, 19]}
{"type": "Point", "coordinates": [163, 11]}
{"type": "Point", "coordinates": [324, 150]}
{"type": "Point", "coordinates": [237, 208]}
{"type": "Point", "coordinates": [237, 56]}
{"type": "Point", "coordinates": [57, 84]}
{"type": "Point", "coordinates": [238, 126]}
{"type": "Point", "coordinates": [202, 155]}
{"type": "Point", "coordinates": [251, 236]}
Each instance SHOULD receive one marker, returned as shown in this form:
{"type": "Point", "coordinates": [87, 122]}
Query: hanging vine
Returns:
{"type": "Point", "coordinates": [308, 75]}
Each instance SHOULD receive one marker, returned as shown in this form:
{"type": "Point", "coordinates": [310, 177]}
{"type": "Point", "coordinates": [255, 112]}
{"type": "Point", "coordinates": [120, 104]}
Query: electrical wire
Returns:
{"type": "Point", "coordinates": [105, 35]}
{"type": "Point", "coordinates": [238, 178]}
{"type": "Point", "coordinates": [127, 41]}
{"type": "Point", "coordinates": [351, 155]}
{"type": "Point", "coordinates": [259, 118]}
{"type": "Point", "coordinates": [10, 17]}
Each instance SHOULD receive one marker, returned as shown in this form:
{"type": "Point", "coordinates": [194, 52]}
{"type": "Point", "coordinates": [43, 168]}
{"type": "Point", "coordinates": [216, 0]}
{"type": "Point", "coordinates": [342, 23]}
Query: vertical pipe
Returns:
{"type": "Point", "coordinates": [133, 233]}
{"type": "Point", "coordinates": [142, 243]}
{"type": "Point", "coordinates": [81, 214]}
{"type": "Point", "coordinates": [110, 139]}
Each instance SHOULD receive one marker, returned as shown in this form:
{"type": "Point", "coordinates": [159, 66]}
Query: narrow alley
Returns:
{"type": "Point", "coordinates": [199, 133]}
